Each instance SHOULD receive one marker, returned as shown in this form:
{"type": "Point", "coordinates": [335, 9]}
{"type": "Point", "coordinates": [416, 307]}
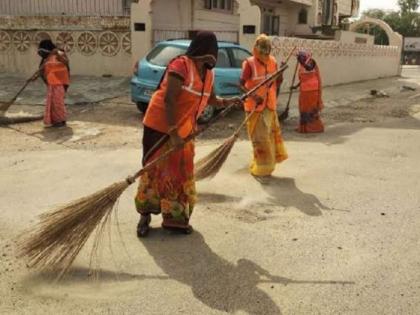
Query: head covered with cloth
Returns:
{"type": "Point", "coordinates": [262, 48]}
{"type": "Point", "coordinates": [304, 57]}
{"type": "Point", "coordinates": [45, 48]}
{"type": "Point", "coordinates": [204, 48]}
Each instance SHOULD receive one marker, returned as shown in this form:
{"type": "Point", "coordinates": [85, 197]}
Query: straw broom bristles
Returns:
{"type": "Point", "coordinates": [17, 119]}
{"type": "Point", "coordinates": [211, 164]}
{"type": "Point", "coordinates": [208, 166]}
{"type": "Point", "coordinates": [60, 235]}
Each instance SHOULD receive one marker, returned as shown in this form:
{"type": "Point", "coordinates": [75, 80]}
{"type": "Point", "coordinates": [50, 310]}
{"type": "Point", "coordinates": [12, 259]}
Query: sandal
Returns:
{"type": "Point", "coordinates": [143, 225]}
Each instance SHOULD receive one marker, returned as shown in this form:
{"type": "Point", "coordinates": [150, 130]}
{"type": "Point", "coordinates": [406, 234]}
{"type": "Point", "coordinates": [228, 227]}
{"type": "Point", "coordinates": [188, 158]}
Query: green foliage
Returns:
{"type": "Point", "coordinates": [408, 6]}
{"type": "Point", "coordinates": [406, 21]}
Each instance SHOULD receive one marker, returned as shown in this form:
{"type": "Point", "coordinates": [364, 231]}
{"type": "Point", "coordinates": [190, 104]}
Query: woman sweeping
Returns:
{"type": "Point", "coordinates": [185, 91]}
{"type": "Point", "coordinates": [263, 125]}
{"type": "Point", "coordinates": [310, 98]}
{"type": "Point", "coordinates": [54, 70]}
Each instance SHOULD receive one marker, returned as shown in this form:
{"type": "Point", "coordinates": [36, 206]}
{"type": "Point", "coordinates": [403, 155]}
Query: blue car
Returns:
{"type": "Point", "coordinates": [149, 71]}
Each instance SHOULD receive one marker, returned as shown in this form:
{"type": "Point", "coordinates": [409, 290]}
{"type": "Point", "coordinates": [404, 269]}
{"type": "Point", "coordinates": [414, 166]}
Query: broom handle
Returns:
{"type": "Point", "coordinates": [10, 103]}
{"type": "Point", "coordinates": [293, 83]}
{"type": "Point", "coordinates": [132, 179]}
{"type": "Point", "coordinates": [5, 107]}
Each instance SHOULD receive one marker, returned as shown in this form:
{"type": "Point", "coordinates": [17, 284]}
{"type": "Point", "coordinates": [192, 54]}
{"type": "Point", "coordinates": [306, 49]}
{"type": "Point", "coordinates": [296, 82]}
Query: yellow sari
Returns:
{"type": "Point", "coordinates": [265, 134]}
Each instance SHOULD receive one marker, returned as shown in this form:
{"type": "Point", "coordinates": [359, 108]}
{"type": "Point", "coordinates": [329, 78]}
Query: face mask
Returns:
{"type": "Point", "coordinates": [209, 66]}
{"type": "Point", "coordinates": [43, 54]}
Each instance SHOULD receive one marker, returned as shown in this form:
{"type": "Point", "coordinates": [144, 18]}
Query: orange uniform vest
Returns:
{"type": "Point", "coordinates": [190, 104]}
{"type": "Point", "coordinates": [260, 72]}
{"type": "Point", "coordinates": [309, 80]}
{"type": "Point", "coordinates": [56, 72]}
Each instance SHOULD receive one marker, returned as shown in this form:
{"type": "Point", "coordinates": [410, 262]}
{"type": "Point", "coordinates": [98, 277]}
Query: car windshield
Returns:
{"type": "Point", "coordinates": [161, 55]}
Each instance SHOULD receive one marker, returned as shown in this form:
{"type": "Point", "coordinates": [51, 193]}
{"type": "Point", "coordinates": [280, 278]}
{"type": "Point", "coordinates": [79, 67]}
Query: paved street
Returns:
{"type": "Point", "coordinates": [336, 231]}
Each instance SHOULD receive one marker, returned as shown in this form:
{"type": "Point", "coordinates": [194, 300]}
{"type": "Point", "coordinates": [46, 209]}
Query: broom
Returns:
{"type": "Point", "coordinates": [6, 120]}
{"type": "Point", "coordinates": [54, 243]}
{"type": "Point", "coordinates": [285, 114]}
{"type": "Point", "coordinates": [210, 165]}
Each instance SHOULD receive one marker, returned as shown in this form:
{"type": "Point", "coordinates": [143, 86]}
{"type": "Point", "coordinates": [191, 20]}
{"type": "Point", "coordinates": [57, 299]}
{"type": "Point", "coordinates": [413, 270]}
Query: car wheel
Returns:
{"type": "Point", "coordinates": [206, 115]}
{"type": "Point", "coordinates": [142, 106]}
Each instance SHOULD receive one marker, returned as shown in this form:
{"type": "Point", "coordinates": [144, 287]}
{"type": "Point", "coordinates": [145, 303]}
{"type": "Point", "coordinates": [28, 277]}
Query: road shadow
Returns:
{"type": "Point", "coordinates": [346, 123]}
{"type": "Point", "coordinates": [216, 198]}
{"type": "Point", "coordinates": [80, 274]}
{"type": "Point", "coordinates": [216, 282]}
{"type": "Point", "coordinates": [55, 135]}
{"type": "Point", "coordinates": [283, 191]}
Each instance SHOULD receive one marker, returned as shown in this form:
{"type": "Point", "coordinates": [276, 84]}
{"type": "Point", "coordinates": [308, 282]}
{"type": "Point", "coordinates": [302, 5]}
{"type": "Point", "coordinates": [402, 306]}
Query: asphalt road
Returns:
{"type": "Point", "coordinates": [336, 231]}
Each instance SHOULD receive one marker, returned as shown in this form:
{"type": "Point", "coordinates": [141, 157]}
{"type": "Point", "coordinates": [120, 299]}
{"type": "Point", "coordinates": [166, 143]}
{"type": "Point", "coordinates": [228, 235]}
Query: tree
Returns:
{"type": "Point", "coordinates": [406, 22]}
{"type": "Point", "coordinates": [408, 6]}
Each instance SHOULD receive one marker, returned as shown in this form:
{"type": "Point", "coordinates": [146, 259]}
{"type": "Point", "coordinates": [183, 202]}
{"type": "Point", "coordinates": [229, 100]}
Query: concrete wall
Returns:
{"type": "Point", "coordinates": [95, 46]}
{"type": "Point", "coordinates": [342, 62]}
{"type": "Point", "coordinates": [141, 12]}
{"type": "Point", "coordinates": [64, 7]}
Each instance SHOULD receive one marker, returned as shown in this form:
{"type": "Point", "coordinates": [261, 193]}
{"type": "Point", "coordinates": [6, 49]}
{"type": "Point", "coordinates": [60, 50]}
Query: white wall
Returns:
{"type": "Point", "coordinates": [95, 46]}
{"type": "Point", "coordinates": [171, 15]}
{"type": "Point", "coordinates": [342, 62]}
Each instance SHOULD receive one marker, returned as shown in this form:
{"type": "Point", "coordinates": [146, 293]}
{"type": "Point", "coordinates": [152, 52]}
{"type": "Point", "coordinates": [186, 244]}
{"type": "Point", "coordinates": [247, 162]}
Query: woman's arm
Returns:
{"type": "Point", "coordinates": [172, 94]}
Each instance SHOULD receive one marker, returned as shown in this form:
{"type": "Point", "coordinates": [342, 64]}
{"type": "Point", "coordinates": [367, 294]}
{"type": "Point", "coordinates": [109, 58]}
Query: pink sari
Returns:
{"type": "Point", "coordinates": [55, 110]}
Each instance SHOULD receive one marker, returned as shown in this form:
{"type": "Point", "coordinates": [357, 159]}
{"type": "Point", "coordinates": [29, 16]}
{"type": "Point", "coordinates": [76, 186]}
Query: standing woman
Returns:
{"type": "Point", "coordinates": [54, 70]}
{"type": "Point", "coordinates": [263, 126]}
{"type": "Point", "coordinates": [185, 91]}
{"type": "Point", "coordinates": [310, 98]}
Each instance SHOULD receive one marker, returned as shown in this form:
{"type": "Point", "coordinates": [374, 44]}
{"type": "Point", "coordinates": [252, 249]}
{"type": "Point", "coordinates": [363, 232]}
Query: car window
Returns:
{"type": "Point", "coordinates": [239, 55]}
{"type": "Point", "coordinates": [223, 59]}
{"type": "Point", "coordinates": [161, 55]}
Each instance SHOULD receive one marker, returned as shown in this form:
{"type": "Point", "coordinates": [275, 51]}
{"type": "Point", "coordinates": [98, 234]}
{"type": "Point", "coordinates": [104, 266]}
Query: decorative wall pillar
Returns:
{"type": "Point", "coordinates": [249, 23]}
{"type": "Point", "coordinates": [141, 29]}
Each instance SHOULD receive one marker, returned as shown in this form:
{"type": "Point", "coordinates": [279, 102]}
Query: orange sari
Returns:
{"type": "Point", "coordinates": [310, 103]}
{"type": "Point", "coordinates": [169, 187]}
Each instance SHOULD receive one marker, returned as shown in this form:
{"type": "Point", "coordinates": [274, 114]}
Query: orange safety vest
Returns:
{"type": "Point", "coordinates": [309, 80]}
{"type": "Point", "coordinates": [191, 101]}
{"type": "Point", "coordinates": [260, 72]}
{"type": "Point", "coordinates": [56, 72]}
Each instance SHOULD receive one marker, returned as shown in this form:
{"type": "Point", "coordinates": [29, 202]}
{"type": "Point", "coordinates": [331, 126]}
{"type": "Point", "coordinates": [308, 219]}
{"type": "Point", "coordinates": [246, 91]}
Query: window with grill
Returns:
{"type": "Point", "coordinates": [271, 24]}
{"type": "Point", "coordinates": [303, 16]}
{"type": "Point", "coordinates": [224, 5]}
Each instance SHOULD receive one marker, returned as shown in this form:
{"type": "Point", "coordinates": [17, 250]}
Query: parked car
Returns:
{"type": "Point", "coordinates": [149, 71]}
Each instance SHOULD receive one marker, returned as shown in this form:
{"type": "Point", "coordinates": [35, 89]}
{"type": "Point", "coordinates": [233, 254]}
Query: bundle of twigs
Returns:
{"type": "Point", "coordinates": [18, 118]}
{"type": "Point", "coordinates": [208, 166]}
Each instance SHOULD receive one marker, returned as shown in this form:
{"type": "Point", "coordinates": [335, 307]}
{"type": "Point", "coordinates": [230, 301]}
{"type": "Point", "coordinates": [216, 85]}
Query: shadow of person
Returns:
{"type": "Point", "coordinates": [283, 191]}
{"type": "Point", "coordinates": [216, 198]}
{"type": "Point", "coordinates": [214, 281]}
{"type": "Point", "coordinates": [57, 135]}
